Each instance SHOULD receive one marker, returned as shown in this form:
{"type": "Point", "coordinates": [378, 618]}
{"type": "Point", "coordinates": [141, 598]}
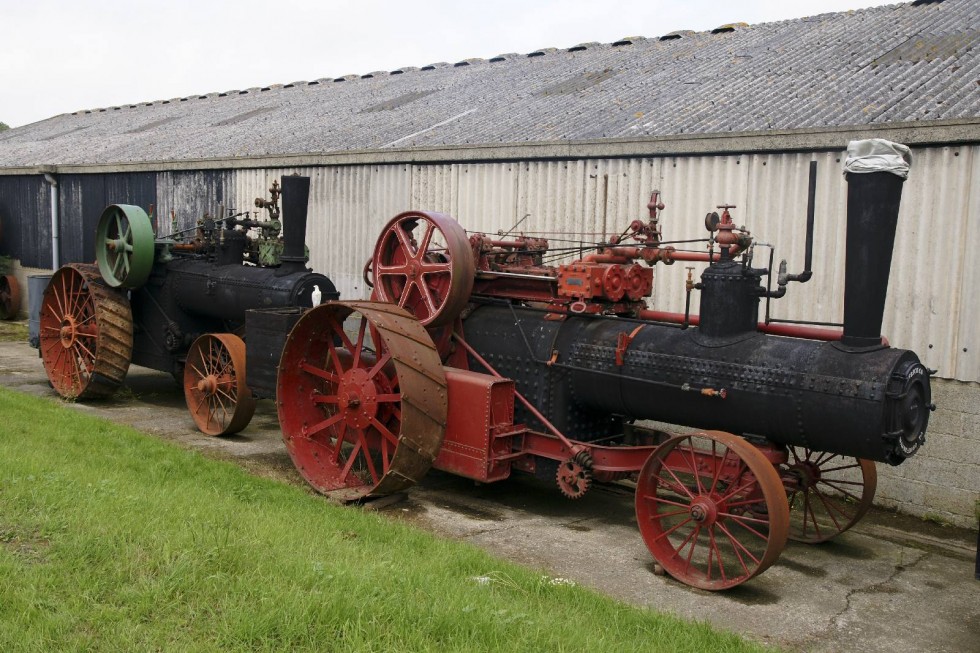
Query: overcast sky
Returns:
{"type": "Point", "coordinates": [59, 56]}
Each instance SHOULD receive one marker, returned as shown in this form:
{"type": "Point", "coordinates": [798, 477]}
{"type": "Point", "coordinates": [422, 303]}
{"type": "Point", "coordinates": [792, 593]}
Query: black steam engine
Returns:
{"type": "Point", "coordinates": [182, 304]}
{"type": "Point", "coordinates": [854, 396]}
{"type": "Point", "coordinates": [482, 360]}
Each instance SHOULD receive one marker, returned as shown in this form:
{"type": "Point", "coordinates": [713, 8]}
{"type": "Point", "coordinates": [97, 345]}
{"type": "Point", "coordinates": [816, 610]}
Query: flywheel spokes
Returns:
{"type": "Point", "coordinates": [86, 333]}
{"type": "Point", "coordinates": [362, 399]}
{"type": "Point", "coordinates": [215, 387]}
{"type": "Point", "coordinates": [423, 262]}
{"type": "Point", "coordinates": [831, 493]}
{"type": "Point", "coordinates": [711, 509]}
{"type": "Point", "coordinates": [124, 246]}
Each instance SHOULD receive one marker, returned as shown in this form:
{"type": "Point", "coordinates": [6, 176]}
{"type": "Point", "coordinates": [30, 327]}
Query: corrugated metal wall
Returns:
{"type": "Point", "coordinates": [930, 307]}
{"type": "Point", "coordinates": [25, 219]}
{"type": "Point", "coordinates": [82, 198]}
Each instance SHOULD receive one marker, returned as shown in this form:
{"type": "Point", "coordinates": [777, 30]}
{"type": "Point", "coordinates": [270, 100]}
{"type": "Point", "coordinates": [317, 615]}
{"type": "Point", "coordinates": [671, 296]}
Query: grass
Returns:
{"type": "Point", "coordinates": [112, 540]}
{"type": "Point", "coordinates": [13, 331]}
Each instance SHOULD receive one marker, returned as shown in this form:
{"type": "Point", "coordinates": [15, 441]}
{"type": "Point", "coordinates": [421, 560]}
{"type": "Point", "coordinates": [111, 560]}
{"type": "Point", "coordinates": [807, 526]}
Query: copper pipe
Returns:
{"type": "Point", "coordinates": [776, 329]}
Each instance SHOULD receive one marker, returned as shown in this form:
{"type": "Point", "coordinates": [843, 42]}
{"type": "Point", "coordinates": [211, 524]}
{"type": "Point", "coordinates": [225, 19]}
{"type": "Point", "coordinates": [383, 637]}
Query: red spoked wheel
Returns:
{"type": "Point", "coordinates": [423, 262]}
{"type": "Point", "coordinates": [9, 297]}
{"type": "Point", "coordinates": [828, 493]}
{"type": "Point", "coordinates": [362, 399]}
{"type": "Point", "coordinates": [712, 509]}
{"type": "Point", "coordinates": [215, 389]}
{"type": "Point", "coordinates": [86, 333]}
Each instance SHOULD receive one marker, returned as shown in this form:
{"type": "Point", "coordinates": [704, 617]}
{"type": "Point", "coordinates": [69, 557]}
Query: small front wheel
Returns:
{"type": "Point", "coordinates": [711, 509]}
{"type": "Point", "coordinates": [217, 395]}
{"type": "Point", "coordinates": [831, 493]}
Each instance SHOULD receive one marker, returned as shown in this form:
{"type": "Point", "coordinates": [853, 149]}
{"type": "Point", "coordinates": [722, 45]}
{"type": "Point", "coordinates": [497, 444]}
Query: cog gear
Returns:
{"type": "Point", "coordinates": [575, 475]}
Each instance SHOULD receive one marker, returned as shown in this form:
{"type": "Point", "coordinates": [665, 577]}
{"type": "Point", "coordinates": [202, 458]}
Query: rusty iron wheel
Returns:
{"type": "Point", "coordinates": [362, 399]}
{"type": "Point", "coordinates": [711, 509]}
{"type": "Point", "coordinates": [424, 263]}
{"type": "Point", "coordinates": [86, 333]}
{"type": "Point", "coordinates": [9, 297]}
{"type": "Point", "coordinates": [831, 493]}
{"type": "Point", "coordinates": [215, 388]}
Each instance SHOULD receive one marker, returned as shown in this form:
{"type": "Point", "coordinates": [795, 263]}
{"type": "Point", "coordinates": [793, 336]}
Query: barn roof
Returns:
{"type": "Point", "coordinates": [905, 63]}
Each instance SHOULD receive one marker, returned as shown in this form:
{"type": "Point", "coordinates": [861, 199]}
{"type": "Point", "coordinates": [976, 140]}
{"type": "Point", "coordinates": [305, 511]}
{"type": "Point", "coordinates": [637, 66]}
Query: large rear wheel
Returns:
{"type": "Point", "coordinates": [362, 399]}
{"type": "Point", "coordinates": [86, 333]}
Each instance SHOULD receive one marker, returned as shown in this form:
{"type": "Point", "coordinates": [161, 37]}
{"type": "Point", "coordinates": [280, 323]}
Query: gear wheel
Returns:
{"type": "Point", "coordinates": [575, 475]}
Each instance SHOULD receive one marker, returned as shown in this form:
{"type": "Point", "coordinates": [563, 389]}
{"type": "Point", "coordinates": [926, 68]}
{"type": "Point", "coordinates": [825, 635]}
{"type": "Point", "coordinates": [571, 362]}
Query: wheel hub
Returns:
{"type": "Point", "coordinates": [208, 385]}
{"type": "Point", "coordinates": [704, 511]}
{"type": "Point", "coordinates": [807, 473]}
{"type": "Point", "coordinates": [357, 398]}
{"type": "Point", "coordinates": [68, 330]}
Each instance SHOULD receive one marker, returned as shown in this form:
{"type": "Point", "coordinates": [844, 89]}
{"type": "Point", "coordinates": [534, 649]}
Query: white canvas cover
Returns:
{"type": "Point", "coordinates": [878, 155]}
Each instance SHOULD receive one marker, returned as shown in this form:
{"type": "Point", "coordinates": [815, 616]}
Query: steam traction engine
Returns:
{"type": "Point", "coordinates": [181, 304]}
{"type": "Point", "coordinates": [480, 360]}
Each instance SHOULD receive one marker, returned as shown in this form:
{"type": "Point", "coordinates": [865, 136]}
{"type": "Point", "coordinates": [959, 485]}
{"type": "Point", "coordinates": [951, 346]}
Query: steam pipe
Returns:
{"type": "Point", "coordinates": [807, 273]}
{"type": "Point", "coordinates": [776, 329]}
{"type": "Point", "coordinates": [810, 202]}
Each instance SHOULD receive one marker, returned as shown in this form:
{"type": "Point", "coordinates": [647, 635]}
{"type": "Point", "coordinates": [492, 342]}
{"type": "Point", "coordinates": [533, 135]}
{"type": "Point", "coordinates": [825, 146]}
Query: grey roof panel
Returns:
{"type": "Point", "coordinates": [895, 63]}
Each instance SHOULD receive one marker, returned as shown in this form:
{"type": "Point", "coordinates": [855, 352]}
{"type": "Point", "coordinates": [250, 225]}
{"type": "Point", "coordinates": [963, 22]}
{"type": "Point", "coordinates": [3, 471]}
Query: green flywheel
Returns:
{"type": "Point", "coordinates": [124, 246]}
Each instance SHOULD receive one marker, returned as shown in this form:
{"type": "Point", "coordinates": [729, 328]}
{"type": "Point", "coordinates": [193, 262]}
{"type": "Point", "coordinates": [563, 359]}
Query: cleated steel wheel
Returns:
{"type": "Point", "coordinates": [124, 246]}
{"type": "Point", "coordinates": [215, 389]}
{"type": "Point", "coordinates": [711, 509]}
{"type": "Point", "coordinates": [362, 399]}
{"type": "Point", "coordinates": [829, 494]}
{"type": "Point", "coordinates": [86, 333]}
{"type": "Point", "coordinates": [423, 262]}
{"type": "Point", "coordinates": [9, 297]}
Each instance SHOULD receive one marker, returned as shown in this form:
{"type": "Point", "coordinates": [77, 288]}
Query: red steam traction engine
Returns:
{"type": "Point", "coordinates": [481, 360]}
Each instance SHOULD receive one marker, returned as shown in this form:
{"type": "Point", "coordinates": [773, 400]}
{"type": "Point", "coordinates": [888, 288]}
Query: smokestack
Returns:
{"type": "Point", "coordinates": [875, 171]}
{"type": "Point", "coordinates": [295, 204]}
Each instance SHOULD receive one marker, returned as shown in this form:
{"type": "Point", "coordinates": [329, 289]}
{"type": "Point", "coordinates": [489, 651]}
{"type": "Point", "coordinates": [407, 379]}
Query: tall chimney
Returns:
{"type": "Point", "coordinates": [295, 204]}
{"type": "Point", "coordinates": [875, 171]}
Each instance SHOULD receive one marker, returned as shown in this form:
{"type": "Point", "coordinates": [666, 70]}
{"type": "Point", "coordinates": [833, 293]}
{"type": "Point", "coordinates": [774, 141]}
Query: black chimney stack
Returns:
{"type": "Point", "coordinates": [295, 204]}
{"type": "Point", "coordinates": [875, 171]}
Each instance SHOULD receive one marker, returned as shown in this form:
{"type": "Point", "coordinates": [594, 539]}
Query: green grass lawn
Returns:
{"type": "Point", "coordinates": [13, 331]}
{"type": "Point", "coordinates": [115, 541]}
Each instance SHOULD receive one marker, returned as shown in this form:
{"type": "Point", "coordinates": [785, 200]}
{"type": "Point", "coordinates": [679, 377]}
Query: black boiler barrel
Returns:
{"type": "Point", "coordinates": [870, 404]}
{"type": "Point", "coordinates": [227, 291]}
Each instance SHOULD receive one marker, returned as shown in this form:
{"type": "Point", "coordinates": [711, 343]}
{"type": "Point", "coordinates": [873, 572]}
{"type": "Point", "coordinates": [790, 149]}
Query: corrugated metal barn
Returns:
{"type": "Point", "coordinates": [575, 139]}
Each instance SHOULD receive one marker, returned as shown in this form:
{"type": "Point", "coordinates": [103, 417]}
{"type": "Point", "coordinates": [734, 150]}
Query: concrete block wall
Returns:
{"type": "Point", "coordinates": [942, 481]}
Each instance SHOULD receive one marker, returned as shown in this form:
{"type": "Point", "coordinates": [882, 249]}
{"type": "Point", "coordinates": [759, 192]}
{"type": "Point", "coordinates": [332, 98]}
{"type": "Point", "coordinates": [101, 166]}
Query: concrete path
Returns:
{"type": "Point", "coordinates": [890, 584]}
